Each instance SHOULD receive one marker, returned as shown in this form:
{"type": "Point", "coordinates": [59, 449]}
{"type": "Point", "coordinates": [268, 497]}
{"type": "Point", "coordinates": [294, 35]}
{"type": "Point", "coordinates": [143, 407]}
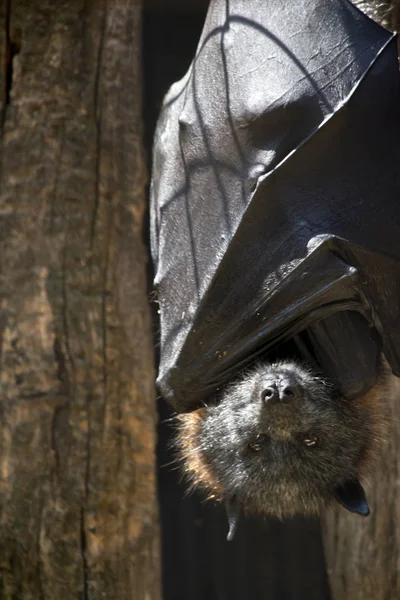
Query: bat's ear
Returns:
{"type": "Point", "coordinates": [351, 495]}
{"type": "Point", "coordinates": [232, 512]}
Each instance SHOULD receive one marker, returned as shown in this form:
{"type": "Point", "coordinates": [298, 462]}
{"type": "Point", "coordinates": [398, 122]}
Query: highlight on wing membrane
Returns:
{"type": "Point", "coordinates": [275, 197]}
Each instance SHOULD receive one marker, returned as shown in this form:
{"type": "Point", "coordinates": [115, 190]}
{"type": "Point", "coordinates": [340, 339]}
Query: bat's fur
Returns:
{"type": "Point", "coordinates": [282, 458]}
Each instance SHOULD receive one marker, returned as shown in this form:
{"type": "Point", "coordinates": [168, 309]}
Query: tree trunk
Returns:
{"type": "Point", "coordinates": [363, 554]}
{"type": "Point", "coordinates": [78, 516]}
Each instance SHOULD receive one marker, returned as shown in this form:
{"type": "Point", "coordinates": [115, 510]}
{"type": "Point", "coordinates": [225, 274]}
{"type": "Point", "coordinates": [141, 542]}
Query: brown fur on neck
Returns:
{"type": "Point", "coordinates": [196, 468]}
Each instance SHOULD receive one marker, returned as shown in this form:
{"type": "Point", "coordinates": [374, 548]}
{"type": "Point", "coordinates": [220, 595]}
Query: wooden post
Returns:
{"type": "Point", "coordinates": [78, 516]}
{"type": "Point", "coordinates": [363, 554]}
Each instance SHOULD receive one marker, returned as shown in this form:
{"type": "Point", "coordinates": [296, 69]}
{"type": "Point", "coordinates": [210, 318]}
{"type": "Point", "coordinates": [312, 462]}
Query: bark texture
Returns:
{"type": "Point", "coordinates": [363, 554]}
{"type": "Point", "coordinates": [78, 516]}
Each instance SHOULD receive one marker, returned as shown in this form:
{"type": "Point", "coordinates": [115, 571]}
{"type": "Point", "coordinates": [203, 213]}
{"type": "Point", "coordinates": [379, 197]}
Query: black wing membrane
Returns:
{"type": "Point", "coordinates": [275, 196]}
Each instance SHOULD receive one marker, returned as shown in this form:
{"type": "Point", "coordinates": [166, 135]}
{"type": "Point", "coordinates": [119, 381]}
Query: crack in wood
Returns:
{"type": "Point", "coordinates": [85, 565]}
{"type": "Point", "coordinates": [104, 322]}
{"type": "Point", "coordinates": [64, 312]}
{"type": "Point", "coordinates": [98, 118]}
{"type": "Point", "coordinates": [5, 94]}
{"type": "Point", "coordinates": [62, 371]}
{"type": "Point", "coordinates": [12, 48]}
{"type": "Point", "coordinates": [83, 554]}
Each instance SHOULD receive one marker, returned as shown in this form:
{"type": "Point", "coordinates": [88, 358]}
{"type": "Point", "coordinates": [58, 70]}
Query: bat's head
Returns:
{"type": "Point", "coordinates": [280, 442]}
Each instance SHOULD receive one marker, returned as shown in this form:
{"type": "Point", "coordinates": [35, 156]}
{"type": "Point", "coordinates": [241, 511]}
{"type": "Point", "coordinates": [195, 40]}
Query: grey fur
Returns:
{"type": "Point", "coordinates": [283, 458]}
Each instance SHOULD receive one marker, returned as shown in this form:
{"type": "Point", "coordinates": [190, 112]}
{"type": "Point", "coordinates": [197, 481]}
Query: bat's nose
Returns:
{"type": "Point", "coordinates": [270, 394]}
{"type": "Point", "coordinates": [283, 391]}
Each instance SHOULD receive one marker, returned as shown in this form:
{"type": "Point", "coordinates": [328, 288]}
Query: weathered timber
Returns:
{"type": "Point", "coordinates": [363, 554]}
{"type": "Point", "coordinates": [78, 515]}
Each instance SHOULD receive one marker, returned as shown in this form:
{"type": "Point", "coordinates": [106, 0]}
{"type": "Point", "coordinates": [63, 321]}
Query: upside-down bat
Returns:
{"type": "Point", "coordinates": [275, 231]}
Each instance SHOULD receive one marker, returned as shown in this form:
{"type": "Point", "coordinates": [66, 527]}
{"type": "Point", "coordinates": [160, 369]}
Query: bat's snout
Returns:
{"type": "Point", "coordinates": [283, 390]}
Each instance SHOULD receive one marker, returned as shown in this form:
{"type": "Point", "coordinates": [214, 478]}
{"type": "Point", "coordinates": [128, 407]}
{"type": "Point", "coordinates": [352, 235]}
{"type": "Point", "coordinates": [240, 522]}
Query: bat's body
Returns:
{"type": "Point", "coordinates": [282, 441]}
{"type": "Point", "coordinates": [275, 221]}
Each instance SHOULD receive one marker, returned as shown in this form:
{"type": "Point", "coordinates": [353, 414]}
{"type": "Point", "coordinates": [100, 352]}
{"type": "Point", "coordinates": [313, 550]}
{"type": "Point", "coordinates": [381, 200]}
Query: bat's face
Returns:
{"type": "Point", "coordinates": [280, 441]}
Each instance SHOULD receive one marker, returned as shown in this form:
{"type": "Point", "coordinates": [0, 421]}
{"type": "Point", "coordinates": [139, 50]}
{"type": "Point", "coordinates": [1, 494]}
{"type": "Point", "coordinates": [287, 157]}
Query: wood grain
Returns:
{"type": "Point", "coordinates": [78, 516]}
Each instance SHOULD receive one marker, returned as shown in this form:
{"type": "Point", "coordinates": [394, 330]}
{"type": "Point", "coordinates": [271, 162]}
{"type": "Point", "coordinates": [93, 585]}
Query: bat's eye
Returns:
{"type": "Point", "coordinates": [258, 443]}
{"type": "Point", "coordinates": [310, 440]}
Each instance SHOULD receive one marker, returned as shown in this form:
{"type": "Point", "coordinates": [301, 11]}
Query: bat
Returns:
{"type": "Point", "coordinates": [275, 224]}
{"type": "Point", "coordinates": [282, 441]}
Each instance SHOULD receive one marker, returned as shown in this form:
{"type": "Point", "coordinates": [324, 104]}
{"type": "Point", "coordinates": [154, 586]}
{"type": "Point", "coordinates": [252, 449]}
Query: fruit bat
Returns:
{"type": "Point", "coordinates": [275, 212]}
{"type": "Point", "coordinates": [275, 231]}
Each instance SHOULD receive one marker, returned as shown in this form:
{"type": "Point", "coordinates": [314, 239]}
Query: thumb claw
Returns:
{"type": "Point", "coordinates": [233, 513]}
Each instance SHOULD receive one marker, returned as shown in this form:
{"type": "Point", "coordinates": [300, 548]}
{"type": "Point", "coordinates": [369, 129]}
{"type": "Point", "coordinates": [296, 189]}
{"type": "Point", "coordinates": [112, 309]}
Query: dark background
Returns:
{"type": "Point", "coordinates": [267, 559]}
